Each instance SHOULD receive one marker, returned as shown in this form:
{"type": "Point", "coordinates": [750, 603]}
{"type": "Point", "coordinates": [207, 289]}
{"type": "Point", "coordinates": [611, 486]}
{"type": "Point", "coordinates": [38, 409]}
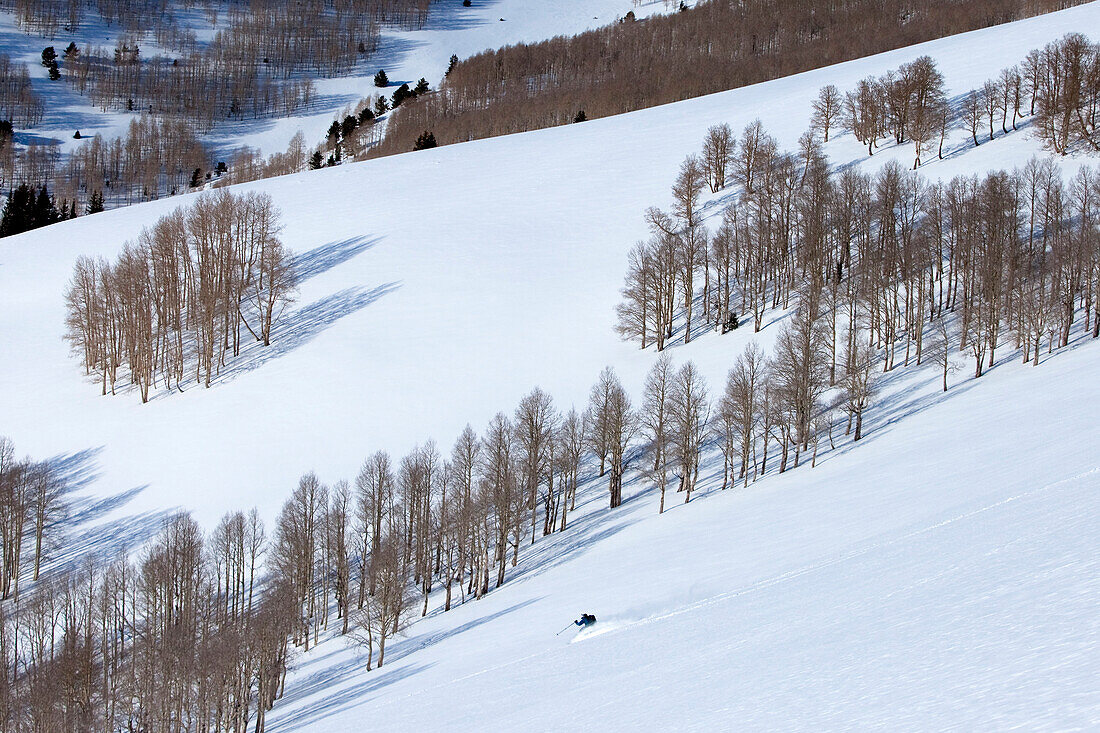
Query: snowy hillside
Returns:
{"type": "Point", "coordinates": [900, 585]}
{"type": "Point", "coordinates": [407, 55]}
{"type": "Point", "coordinates": [940, 574]}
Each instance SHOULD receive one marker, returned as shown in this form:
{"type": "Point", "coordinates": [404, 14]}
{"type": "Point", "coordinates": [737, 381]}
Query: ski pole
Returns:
{"type": "Point", "coordinates": [564, 630]}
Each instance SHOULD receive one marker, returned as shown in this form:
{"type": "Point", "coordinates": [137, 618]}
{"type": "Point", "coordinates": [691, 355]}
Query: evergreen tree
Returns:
{"type": "Point", "coordinates": [366, 116]}
{"type": "Point", "coordinates": [18, 212]}
{"type": "Point", "coordinates": [425, 141]}
{"type": "Point", "coordinates": [49, 56]}
{"type": "Point", "coordinates": [196, 178]}
{"type": "Point", "coordinates": [580, 116]}
{"type": "Point", "coordinates": [71, 51]}
{"type": "Point", "coordinates": [45, 211]}
{"type": "Point", "coordinates": [95, 202]}
{"type": "Point", "coordinates": [403, 92]}
{"type": "Point", "coordinates": [381, 106]}
{"type": "Point", "coordinates": [452, 64]}
{"type": "Point", "coordinates": [55, 73]}
{"type": "Point", "coordinates": [348, 125]}
{"type": "Point", "coordinates": [421, 87]}
{"type": "Point", "coordinates": [380, 79]}
{"type": "Point", "coordinates": [316, 160]}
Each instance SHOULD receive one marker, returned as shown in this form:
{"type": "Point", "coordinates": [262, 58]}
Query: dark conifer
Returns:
{"type": "Point", "coordinates": [45, 211]}
{"type": "Point", "coordinates": [403, 92]}
{"type": "Point", "coordinates": [348, 125]}
{"type": "Point", "coordinates": [18, 212]}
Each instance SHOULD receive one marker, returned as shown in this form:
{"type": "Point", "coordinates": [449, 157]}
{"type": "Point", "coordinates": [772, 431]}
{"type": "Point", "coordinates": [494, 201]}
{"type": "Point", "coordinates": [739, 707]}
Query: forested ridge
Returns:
{"type": "Point", "coordinates": [711, 47]}
{"type": "Point", "coordinates": [260, 63]}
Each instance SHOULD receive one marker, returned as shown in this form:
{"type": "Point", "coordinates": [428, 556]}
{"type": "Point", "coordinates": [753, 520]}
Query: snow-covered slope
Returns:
{"type": "Point", "coordinates": [440, 286]}
{"type": "Point", "coordinates": [940, 574]}
{"type": "Point", "coordinates": [406, 55]}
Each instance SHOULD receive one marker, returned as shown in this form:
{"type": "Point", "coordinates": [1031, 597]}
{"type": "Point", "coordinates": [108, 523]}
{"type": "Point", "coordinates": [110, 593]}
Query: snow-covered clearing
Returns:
{"type": "Point", "coordinates": [942, 573]}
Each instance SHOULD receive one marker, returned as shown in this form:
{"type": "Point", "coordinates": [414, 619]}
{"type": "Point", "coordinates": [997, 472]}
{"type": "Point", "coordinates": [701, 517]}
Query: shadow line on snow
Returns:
{"type": "Point", "coordinates": [301, 325]}
{"type": "Point", "coordinates": [91, 524]}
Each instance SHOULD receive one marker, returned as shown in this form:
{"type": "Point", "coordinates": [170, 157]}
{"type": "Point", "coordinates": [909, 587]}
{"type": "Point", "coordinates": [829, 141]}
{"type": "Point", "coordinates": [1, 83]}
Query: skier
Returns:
{"type": "Point", "coordinates": [585, 620]}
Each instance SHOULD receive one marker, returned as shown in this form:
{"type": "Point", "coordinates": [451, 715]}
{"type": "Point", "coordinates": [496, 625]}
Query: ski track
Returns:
{"type": "Point", "coordinates": [610, 627]}
{"type": "Point", "coordinates": [847, 557]}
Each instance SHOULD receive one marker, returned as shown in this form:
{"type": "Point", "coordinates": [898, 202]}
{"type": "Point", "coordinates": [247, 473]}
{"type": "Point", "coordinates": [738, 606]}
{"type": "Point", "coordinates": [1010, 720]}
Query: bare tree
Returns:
{"type": "Point", "coordinates": [940, 347]}
{"type": "Point", "coordinates": [859, 378]}
{"type": "Point", "coordinates": [827, 109]}
{"type": "Point", "coordinates": [612, 425]}
{"type": "Point", "coordinates": [656, 422]}
{"type": "Point", "coordinates": [718, 148]}
{"type": "Point", "coordinates": [692, 236]}
{"type": "Point", "coordinates": [535, 422]}
{"type": "Point", "coordinates": [689, 412]}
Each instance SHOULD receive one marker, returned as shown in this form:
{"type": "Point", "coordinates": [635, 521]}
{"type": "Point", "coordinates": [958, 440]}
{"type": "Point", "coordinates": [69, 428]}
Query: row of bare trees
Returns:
{"type": "Point", "coordinates": [1058, 86]}
{"type": "Point", "coordinates": [183, 296]}
{"type": "Point", "coordinates": [156, 157]}
{"type": "Point", "coordinates": [1064, 83]}
{"type": "Point", "coordinates": [203, 89]}
{"type": "Point", "coordinates": [908, 104]}
{"type": "Point", "coordinates": [18, 102]}
{"type": "Point", "coordinates": [710, 47]}
{"type": "Point", "coordinates": [887, 267]}
{"type": "Point", "coordinates": [260, 63]}
{"type": "Point", "coordinates": [183, 636]}
{"type": "Point", "coordinates": [456, 523]}
{"type": "Point", "coordinates": [32, 508]}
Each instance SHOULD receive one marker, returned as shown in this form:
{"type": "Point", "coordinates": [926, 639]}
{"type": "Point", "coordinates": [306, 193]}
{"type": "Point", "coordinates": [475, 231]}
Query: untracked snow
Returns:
{"type": "Point", "coordinates": [940, 574]}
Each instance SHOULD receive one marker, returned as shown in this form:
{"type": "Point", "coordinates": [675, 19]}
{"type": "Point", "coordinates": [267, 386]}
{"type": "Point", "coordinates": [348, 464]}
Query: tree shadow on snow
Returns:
{"type": "Point", "coordinates": [413, 644]}
{"type": "Point", "coordinates": [342, 698]}
{"type": "Point", "coordinates": [327, 256]}
{"type": "Point", "coordinates": [90, 524]}
{"type": "Point", "coordinates": [300, 325]}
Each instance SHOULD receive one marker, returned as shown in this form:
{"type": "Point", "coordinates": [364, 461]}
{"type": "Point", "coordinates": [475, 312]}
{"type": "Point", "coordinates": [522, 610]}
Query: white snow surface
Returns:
{"type": "Point", "coordinates": [940, 574]}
